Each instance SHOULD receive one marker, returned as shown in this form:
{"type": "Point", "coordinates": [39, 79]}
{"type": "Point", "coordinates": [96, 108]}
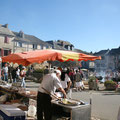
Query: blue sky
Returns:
{"type": "Point", "coordinates": [90, 25]}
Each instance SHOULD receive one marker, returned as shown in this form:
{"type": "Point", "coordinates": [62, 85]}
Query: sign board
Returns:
{"type": "Point", "coordinates": [91, 64]}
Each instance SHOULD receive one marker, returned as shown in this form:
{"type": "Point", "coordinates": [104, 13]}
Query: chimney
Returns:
{"type": "Point", "coordinates": [62, 44]}
{"type": "Point", "coordinates": [21, 34]}
{"type": "Point", "coordinates": [5, 26]}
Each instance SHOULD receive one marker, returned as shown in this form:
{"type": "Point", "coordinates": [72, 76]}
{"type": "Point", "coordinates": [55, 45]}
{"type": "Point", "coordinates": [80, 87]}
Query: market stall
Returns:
{"type": "Point", "coordinates": [73, 112]}
{"type": "Point", "coordinates": [39, 56]}
{"type": "Point", "coordinates": [12, 97]}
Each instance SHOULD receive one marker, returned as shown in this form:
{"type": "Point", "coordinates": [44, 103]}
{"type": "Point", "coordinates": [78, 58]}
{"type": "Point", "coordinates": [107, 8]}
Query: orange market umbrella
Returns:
{"type": "Point", "coordinates": [39, 56]}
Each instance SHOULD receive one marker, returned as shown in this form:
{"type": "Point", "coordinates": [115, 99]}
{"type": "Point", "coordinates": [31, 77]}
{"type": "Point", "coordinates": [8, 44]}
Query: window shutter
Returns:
{"type": "Point", "coordinates": [6, 39]}
{"type": "Point", "coordinates": [2, 52]}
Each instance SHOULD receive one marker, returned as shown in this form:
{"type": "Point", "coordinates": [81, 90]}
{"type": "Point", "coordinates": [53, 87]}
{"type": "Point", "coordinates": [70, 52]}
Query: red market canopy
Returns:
{"type": "Point", "coordinates": [39, 56]}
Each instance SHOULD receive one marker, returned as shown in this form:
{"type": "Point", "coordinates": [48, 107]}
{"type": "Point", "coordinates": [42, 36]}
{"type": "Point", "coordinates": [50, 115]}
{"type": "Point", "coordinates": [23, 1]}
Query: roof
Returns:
{"type": "Point", "coordinates": [55, 46]}
{"type": "Point", "coordinates": [5, 31]}
{"type": "Point", "coordinates": [30, 38]}
{"type": "Point", "coordinates": [102, 52]}
{"type": "Point", "coordinates": [80, 51]}
{"type": "Point", "coordinates": [114, 51]}
{"type": "Point", "coordinates": [64, 42]}
{"type": "Point", "coordinates": [58, 47]}
{"type": "Point", "coordinates": [18, 38]}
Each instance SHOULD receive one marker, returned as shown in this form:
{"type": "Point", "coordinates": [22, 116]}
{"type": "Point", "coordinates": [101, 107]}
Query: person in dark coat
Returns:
{"type": "Point", "coordinates": [14, 75]}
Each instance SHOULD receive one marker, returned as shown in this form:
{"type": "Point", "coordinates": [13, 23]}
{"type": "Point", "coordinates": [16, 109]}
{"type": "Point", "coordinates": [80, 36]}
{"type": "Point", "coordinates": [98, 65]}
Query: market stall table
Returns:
{"type": "Point", "coordinates": [75, 112]}
{"type": "Point", "coordinates": [17, 94]}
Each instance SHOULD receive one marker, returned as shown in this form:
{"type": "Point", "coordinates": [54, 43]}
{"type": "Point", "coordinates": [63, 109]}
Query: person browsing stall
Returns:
{"type": "Point", "coordinates": [65, 81]}
{"type": "Point", "coordinates": [47, 87]}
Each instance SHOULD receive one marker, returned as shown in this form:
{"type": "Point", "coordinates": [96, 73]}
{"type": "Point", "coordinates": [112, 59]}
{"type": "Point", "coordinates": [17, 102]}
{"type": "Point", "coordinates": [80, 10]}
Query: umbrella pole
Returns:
{"type": "Point", "coordinates": [49, 62]}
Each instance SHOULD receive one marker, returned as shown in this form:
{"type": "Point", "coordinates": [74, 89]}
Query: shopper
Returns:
{"type": "Point", "coordinates": [5, 72]}
{"type": "Point", "coordinates": [65, 81]}
{"type": "Point", "coordinates": [17, 74]}
{"type": "Point", "coordinates": [22, 75]}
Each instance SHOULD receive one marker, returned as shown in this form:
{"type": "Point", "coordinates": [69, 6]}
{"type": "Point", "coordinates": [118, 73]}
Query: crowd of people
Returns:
{"type": "Point", "coordinates": [70, 77]}
{"type": "Point", "coordinates": [13, 75]}
{"type": "Point", "coordinates": [54, 80]}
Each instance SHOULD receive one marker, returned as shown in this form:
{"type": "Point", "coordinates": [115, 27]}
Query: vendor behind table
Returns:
{"type": "Point", "coordinates": [49, 83]}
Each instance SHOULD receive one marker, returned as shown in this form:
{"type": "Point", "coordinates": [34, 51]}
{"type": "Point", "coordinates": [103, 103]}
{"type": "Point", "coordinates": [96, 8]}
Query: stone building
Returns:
{"type": "Point", "coordinates": [102, 65]}
{"type": "Point", "coordinates": [13, 42]}
{"type": "Point", "coordinates": [6, 37]}
{"type": "Point", "coordinates": [23, 42]}
{"type": "Point", "coordinates": [110, 60]}
{"type": "Point", "coordinates": [114, 59]}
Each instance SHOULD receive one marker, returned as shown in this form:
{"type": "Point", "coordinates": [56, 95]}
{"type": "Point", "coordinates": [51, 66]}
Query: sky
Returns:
{"type": "Point", "coordinates": [90, 25]}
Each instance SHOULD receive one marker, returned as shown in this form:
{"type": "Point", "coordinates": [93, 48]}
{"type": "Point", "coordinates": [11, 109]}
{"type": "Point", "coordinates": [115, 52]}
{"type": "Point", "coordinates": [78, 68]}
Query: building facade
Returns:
{"type": "Point", "coordinates": [110, 60]}
{"type": "Point", "coordinates": [6, 38]}
{"type": "Point", "coordinates": [14, 42]}
{"type": "Point", "coordinates": [102, 65]}
{"type": "Point", "coordinates": [23, 42]}
{"type": "Point", "coordinates": [114, 59]}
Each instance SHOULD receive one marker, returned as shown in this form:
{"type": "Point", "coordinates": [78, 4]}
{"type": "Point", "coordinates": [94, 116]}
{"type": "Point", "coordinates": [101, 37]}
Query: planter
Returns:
{"type": "Point", "coordinates": [110, 85]}
{"type": "Point", "coordinates": [91, 85]}
{"type": "Point", "coordinates": [91, 82]}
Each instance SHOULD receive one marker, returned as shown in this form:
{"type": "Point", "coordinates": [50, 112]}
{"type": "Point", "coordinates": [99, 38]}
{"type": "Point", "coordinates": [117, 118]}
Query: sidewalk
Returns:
{"type": "Point", "coordinates": [101, 87]}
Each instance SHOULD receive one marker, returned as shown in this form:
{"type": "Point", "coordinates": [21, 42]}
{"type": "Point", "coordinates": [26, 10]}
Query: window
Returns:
{"type": "Point", "coordinates": [91, 64]}
{"type": "Point", "coordinates": [119, 57]}
{"type": "Point", "coordinates": [47, 47]}
{"type": "Point", "coordinates": [19, 44]}
{"type": "Point", "coordinates": [34, 46]}
{"type": "Point", "coordinates": [41, 47]}
{"type": "Point", "coordinates": [6, 52]}
{"type": "Point", "coordinates": [2, 52]}
{"type": "Point", "coordinates": [6, 40]}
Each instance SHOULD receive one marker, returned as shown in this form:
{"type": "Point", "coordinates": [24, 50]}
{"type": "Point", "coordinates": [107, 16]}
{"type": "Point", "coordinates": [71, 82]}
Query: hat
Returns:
{"type": "Point", "coordinates": [58, 71]}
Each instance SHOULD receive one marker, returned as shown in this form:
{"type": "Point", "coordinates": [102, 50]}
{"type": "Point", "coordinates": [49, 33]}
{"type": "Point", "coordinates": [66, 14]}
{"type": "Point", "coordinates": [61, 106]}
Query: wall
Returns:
{"type": "Point", "coordinates": [6, 45]}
